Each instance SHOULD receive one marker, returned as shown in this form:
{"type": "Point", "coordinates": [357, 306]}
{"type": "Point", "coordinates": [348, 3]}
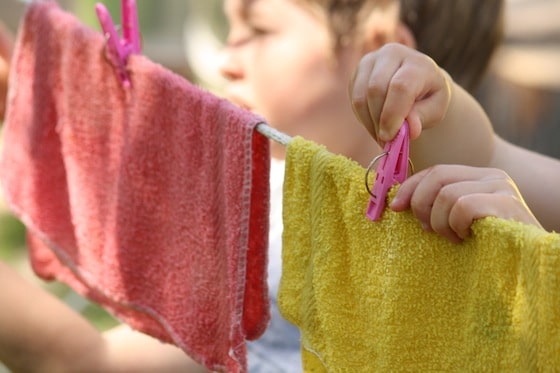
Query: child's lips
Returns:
{"type": "Point", "coordinates": [243, 105]}
{"type": "Point", "coordinates": [240, 102]}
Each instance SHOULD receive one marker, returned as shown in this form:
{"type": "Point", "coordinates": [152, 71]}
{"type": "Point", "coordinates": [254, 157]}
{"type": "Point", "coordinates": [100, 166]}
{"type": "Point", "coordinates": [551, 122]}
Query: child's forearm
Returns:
{"type": "Point", "coordinates": [150, 355]}
{"type": "Point", "coordinates": [38, 333]}
{"type": "Point", "coordinates": [6, 44]}
{"type": "Point", "coordinates": [538, 179]}
{"type": "Point", "coordinates": [465, 136]}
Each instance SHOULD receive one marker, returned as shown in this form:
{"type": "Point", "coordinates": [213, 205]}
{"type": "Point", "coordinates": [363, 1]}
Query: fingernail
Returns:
{"type": "Point", "coordinates": [394, 202]}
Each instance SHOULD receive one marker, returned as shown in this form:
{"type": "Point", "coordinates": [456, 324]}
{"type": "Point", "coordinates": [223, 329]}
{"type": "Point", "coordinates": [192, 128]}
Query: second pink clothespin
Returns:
{"type": "Point", "coordinates": [393, 168]}
{"type": "Point", "coordinates": [120, 48]}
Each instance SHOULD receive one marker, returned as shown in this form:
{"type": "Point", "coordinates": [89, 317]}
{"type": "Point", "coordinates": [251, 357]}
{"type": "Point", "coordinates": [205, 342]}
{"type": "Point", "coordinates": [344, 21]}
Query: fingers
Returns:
{"type": "Point", "coordinates": [417, 91]}
{"type": "Point", "coordinates": [402, 198]}
{"type": "Point", "coordinates": [6, 45]}
{"type": "Point", "coordinates": [448, 198]}
{"type": "Point", "coordinates": [474, 206]}
{"type": "Point", "coordinates": [471, 207]}
{"type": "Point", "coordinates": [4, 73]}
{"type": "Point", "coordinates": [457, 198]}
{"type": "Point", "coordinates": [401, 94]}
{"type": "Point", "coordinates": [370, 87]}
{"type": "Point", "coordinates": [359, 94]}
{"type": "Point", "coordinates": [397, 83]}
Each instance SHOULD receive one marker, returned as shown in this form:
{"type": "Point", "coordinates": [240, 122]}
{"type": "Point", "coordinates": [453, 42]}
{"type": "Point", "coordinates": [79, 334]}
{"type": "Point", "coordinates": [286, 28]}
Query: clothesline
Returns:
{"type": "Point", "coordinates": [273, 134]}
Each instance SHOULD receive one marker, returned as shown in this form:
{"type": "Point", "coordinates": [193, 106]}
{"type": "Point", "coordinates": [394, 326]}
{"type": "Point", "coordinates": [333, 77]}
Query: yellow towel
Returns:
{"type": "Point", "coordinates": [387, 296]}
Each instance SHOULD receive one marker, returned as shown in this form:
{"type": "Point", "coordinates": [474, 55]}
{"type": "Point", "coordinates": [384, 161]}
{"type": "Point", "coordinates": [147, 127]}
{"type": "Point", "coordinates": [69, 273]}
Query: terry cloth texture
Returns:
{"type": "Point", "coordinates": [152, 200]}
{"type": "Point", "coordinates": [388, 296]}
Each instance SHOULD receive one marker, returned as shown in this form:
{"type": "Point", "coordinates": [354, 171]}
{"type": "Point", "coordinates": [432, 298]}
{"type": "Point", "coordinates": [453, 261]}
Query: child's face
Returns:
{"type": "Point", "coordinates": [282, 65]}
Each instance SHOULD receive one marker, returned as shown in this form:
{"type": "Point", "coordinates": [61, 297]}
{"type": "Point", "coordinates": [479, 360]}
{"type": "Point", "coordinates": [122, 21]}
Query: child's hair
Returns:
{"type": "Point", "coordinates": [460, 35]}
{"type": "Point", "coordinates": [344, 16]}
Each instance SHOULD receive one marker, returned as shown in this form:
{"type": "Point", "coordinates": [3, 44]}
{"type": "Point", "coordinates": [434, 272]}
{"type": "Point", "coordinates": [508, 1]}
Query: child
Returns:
{"type": "Point", "coordinates": [295, 73]}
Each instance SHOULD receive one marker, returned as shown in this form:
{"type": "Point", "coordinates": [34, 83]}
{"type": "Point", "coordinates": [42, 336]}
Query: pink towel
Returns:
{"type": "Point", "coordinates": [152, 201]}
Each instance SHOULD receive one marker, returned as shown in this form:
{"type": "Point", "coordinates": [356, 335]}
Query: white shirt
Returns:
{"type": "Point", "coordinates": [278, 349]}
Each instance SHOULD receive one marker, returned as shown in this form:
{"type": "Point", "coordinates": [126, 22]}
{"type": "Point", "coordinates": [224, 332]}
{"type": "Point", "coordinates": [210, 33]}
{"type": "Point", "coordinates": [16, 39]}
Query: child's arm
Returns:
{"type": "Point", "coordinates": [538, 179]}
{"type": "Point", "coordinates": [397, 82]}
{"type": "Point", "coordinates": [39, 333]}
{"type": "Point", "coordinates": [155, 355]}
{"type": "Point", "coordinates": [6, 45]}
{"type": "Point", "coordinates": [448, 198]}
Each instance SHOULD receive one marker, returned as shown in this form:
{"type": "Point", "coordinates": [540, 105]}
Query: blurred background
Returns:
{"type": "Point", "coordinates": [521, 93]}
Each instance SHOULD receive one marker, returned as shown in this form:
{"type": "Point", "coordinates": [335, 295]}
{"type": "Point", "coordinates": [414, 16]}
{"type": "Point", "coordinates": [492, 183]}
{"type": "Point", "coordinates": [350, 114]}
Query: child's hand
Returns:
{"type": "Point", "coordinates": [447, 198]}
{"type": "Point", "coordinates": [5, 53]}
{"type": "Point", "coordinates": [396, 83]}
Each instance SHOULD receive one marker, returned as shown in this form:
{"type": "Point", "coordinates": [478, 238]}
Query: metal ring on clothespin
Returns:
{"type": "Point", "coordinates": [369, 168]}
{"type": "Point", "coordinates": [374, 161]}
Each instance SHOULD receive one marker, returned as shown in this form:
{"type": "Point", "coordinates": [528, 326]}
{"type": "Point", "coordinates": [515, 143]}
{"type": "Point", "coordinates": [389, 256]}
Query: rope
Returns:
{"type": "Point", "coordinates": [273, 134]}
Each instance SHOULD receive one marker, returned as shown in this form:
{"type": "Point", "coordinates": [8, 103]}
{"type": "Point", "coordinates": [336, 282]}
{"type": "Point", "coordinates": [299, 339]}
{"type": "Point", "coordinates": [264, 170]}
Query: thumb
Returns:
{"type": "Point", "coordinates": [414, 124]}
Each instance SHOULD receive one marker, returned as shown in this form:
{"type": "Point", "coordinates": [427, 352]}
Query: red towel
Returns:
{"type": "Point", "coordinates": [152, 201]}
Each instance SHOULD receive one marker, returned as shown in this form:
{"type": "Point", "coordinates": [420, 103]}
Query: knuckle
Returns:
{"type": "Point", "coordinates": [392, 47]}
{"type": "Point", "coordinates": [446, 195]}
{"type": "Point", "coordinates": [360, 103]}
{"type": "Point", "coordinates": [399, 84]}
{"type": "Point", "coordinates": [499, 174]}
{"type": "Point", "coordinates": [463, 206]}
{"type": "Point", "coordinates": [375, 89]}
{"type": "Point", "coordinates": [419, 209]}
{"type": "Point", "coordinates": [437, 171]}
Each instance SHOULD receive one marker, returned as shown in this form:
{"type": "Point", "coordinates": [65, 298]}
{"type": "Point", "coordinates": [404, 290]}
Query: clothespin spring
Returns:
{"type": "Point", "coordinates": [119, 49]}
{"type": "Point", "coordinates": [372, 164]}
{"type": "Point", "coordinates": [392, 169]}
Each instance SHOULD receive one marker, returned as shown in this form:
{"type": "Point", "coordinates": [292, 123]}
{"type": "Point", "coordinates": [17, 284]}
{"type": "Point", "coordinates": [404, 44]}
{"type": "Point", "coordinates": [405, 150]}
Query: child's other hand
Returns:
{"type": "Point", "coordinates": [396, 83]}
{"type": "Point", "coordinates": [448, 198]}
{"type": "Point", "coordinates": [5, 54]}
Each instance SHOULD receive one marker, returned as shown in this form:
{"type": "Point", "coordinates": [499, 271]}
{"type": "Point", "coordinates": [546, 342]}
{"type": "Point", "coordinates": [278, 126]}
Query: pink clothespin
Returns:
{"type": "Point", "coordinates": [119, 49]}
{"type": "Point", "coordinates": [393, 169]}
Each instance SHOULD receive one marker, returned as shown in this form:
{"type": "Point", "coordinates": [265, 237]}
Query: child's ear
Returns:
{"type": "Point", "coordinates": [405, 36]}
{"type": "Point", "coordinates": [384, 26]}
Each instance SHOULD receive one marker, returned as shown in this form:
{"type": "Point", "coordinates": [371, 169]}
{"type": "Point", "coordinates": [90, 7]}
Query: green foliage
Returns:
{"type": "Point", "coordinates": [12, 237]}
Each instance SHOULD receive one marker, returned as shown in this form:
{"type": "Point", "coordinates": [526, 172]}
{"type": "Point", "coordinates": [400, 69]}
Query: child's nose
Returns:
{"type": "Point", "coordinates": [229, 67]}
